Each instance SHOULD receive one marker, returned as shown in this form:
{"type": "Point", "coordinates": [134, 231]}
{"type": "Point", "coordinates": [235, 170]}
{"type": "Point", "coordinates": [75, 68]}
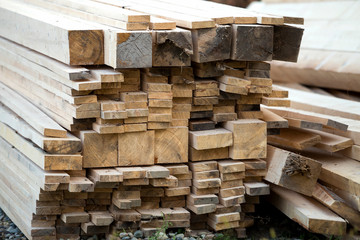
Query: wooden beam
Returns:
{"type": "Point", "coordinates": [287, 40]}
{"type": "Point", "coordinates": [292, 171]}
{"type": "Point", "coordinates": [249, 138]}
{"type": "Point", "coordinates": [128, 49]}
{"type": "Point", "coordinates": [72, 42]}
{"type": "Point", "coordinates": [211, 44]}
{"type": "Point", "coordinates": [252, 42]}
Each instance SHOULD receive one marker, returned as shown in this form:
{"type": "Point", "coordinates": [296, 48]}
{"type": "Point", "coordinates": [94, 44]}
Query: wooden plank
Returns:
{"type": "Point", "coordinates": [86, 14]}
{"type": "Point", "coordinates": [323, 104]}
{"type": "Point", "coordinates": [336, 204]}
{"type": "Point", "coordinates": [203, 166]}
{"type": "Point", "coordinates": [249, 138]}
{"type": "Point", "coordinates": [352, 152]}
{"type": "Point", "coordinates": [37, 155]}
{"type": "Point", "coordinates": [273, 120]}
{"type": "Point", "coordinates": [331, 142]}
{"type": "Point", "coordinates": [99, 150]}
{"type": "Point", "coordinates": [298, 123]}
{"type": "Point", "coordinates": [157, 172]}
{"type": "Point", "coordinates": [310, 116]}
{"type": "Point", "coordinates": [136, 148]}
{"type": "Point", "coordinates": [210, 139]}
{"type": "Point", "coordinates": [83, 43]}
{"type": "Point", "coordinates": [212, 12]}
{"type": "Point", "coordinates": [259, 37]}
{"type": "Point", "coordinates": [202, 208]}
{"type": "Point", "coordinates": [307, 212]}
{"type": "Point", "coordinates": [33, 116]}
{"type": "Point", "coordinates": [106, 11]}
{"type": "Point", "coordinates": [169, 181]}
{"type": "Point", "coordinates": [80, 184]}
{"type": "Point", "coordinates": [161, 24]}
{"type": "Point", "coordinates": [181, 19]}
{"type": "Point", "coordinates": [75, 217]}
{"type": "Point", "coordinates": [208, 154]}
{"type": "Point", "coordinates": [105, 175]}
{"type": "Point", "coordinates": [292, 171]}
{"type": "Point", "coordinates": [295, 138]}
{"type": "Point", "coordinates": [68, 145]}
{"type": "Point", "coordinates": [64, 70]}
{"type": "Point", "coordinates": [228, 166]}
{"type": "Point", "coordinates": [101, 218]}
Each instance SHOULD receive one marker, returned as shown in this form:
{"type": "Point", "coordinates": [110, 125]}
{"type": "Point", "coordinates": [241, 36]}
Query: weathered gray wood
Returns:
{"type": "Point", "coordinates": [172, 48]}
{"type": "Point", "coordinates": [128, 49]}
{"type": "Point", "coordinates": [252, 42]}
{"type": "Point", "coordinates": [211, 44]}
{"type": "Point", "coordinates": [287, 40]}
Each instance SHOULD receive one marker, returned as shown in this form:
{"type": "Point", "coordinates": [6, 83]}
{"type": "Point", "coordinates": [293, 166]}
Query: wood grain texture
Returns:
{"type": "Point", "coordinates": [128, 49]}
{"type": "Point", "coordinates": [99, 150]}
{"type": "Point", "coordinates": [210, 139]}
{"type": "Point", "coordinates": [336, 204]}
{"type": "Point", "coordinates": [136, 148]}
{"type": "Point", "coordinates": [171, 145]}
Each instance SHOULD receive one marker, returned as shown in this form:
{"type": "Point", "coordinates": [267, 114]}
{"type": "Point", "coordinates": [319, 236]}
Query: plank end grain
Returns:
{"type": "Point", "coordinates": [86, 47]}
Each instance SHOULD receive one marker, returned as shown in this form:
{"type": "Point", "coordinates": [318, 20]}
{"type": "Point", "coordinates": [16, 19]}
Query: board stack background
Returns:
{"type": "Point", "coordinates": [137, 114]}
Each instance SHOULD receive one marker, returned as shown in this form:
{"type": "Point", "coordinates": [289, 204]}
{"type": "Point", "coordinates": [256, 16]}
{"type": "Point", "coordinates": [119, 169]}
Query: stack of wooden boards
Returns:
{"type": "Point", "coordinates": [134, 114]}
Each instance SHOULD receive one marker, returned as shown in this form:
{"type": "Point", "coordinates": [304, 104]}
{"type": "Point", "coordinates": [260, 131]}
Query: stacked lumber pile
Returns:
{"type": "Point", "coordinates": [136, 114]}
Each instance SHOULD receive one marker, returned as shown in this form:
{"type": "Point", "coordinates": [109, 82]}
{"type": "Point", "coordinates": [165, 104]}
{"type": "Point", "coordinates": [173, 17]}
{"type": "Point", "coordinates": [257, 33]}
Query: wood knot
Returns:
{"type": "Point", "coordinates": [296, 165]}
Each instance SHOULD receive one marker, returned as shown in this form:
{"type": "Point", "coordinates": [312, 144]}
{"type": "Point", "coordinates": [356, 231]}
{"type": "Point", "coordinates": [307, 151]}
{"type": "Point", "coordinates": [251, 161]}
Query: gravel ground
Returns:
{"type": "Point", "coordinates": [8, 230]}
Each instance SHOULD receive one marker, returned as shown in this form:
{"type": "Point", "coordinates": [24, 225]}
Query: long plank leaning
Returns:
{"type": "Point", "coordinates": [37, 119]}
{"type": "Point", "coordinates": [70, 42]}
{"type": "Point", "coordinates": [336, 204]}
{"type": "Point", "coordinates": [68, 145]}
{"type": "Point", "coordinates": [38, 156]}
{"type": "Point", "coordinates": [323, 104]}
{"type": "Point", "coordinates": [307, 212]}
{"type": "Point", "coordinates": [63, 70]}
